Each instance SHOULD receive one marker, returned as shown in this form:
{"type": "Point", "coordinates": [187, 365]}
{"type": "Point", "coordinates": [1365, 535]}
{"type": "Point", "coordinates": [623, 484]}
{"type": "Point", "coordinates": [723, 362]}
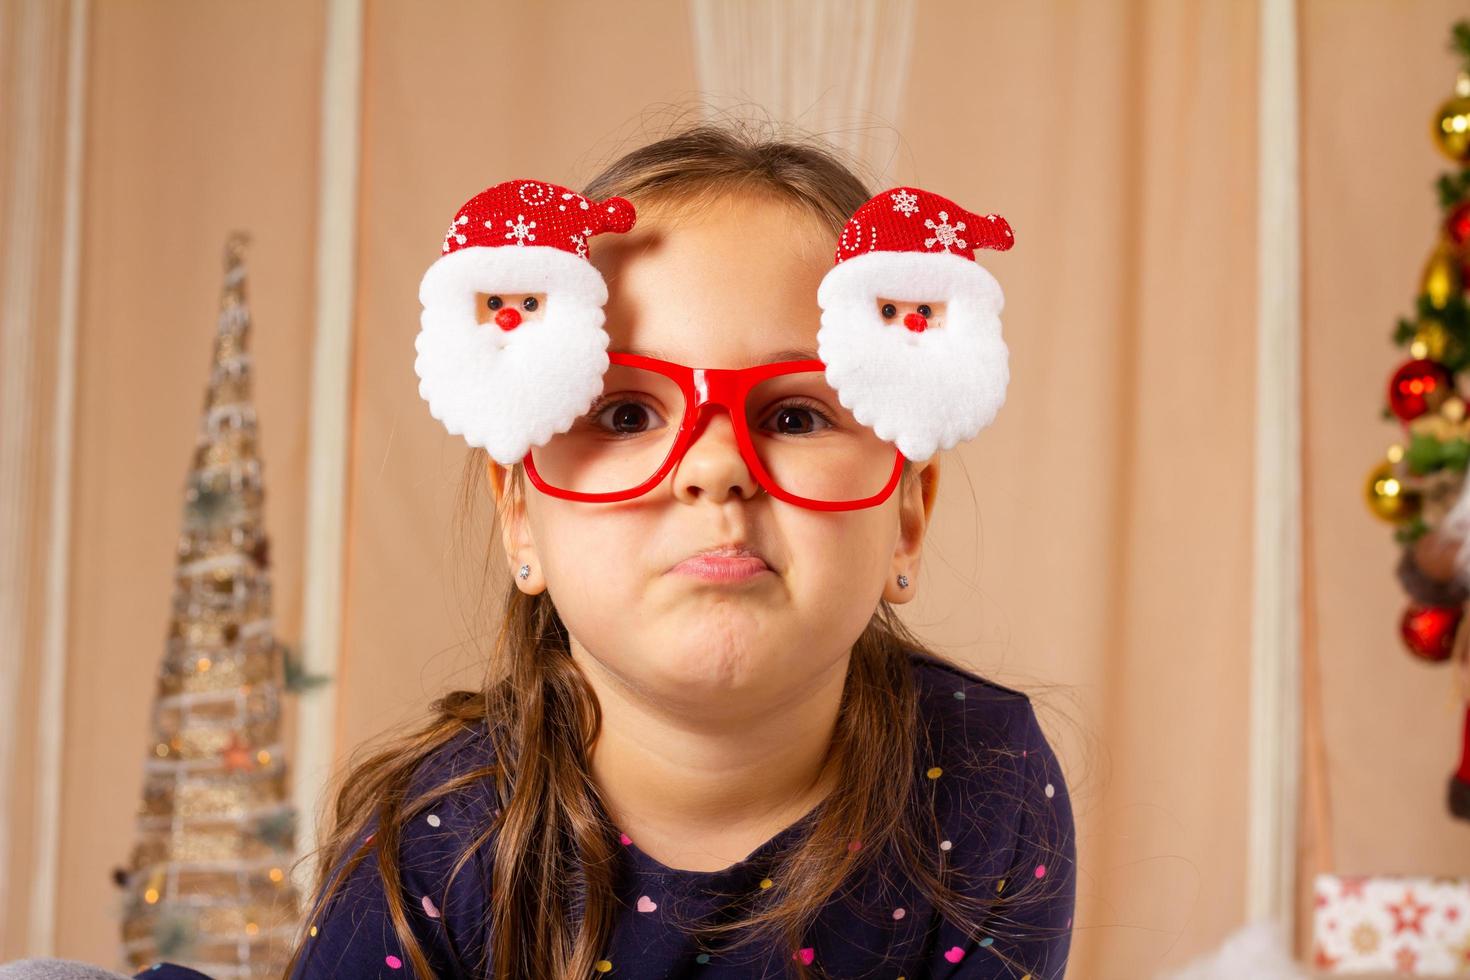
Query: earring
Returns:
{"type": "Point", "coordinates": [525, 572]}
{"type": "Point", "coordinates": [903, 581]}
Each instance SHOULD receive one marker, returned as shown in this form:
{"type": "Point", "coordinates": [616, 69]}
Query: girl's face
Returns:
{"type": "Point", "coordinates": [726, 286]}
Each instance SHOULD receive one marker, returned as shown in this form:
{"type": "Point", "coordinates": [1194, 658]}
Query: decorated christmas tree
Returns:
{"type": "Point", "coordinates": [208, 883]}
{"type": "Point", "coordinates": [1420, 487]}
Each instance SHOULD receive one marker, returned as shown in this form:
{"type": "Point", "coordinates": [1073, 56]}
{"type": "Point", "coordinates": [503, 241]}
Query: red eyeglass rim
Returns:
{"type": "Point", "coordinates": [725, 387]}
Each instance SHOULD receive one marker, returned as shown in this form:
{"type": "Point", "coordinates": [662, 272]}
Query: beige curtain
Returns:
{"type": "Point", "coordinates": [838, 68]}
{"type": "Point", "coordinates": [1093, 547]}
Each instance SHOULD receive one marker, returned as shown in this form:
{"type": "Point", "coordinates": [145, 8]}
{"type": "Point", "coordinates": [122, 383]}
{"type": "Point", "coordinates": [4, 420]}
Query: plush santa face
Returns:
{"type": "Point", "coordinates": [505, 364]}
{"type": "Point", "coordinates": [509, 310]}
{"type": "Point", "coordinates": [913, 347]}
{"type": "Point", "coordinates": [917, 317]}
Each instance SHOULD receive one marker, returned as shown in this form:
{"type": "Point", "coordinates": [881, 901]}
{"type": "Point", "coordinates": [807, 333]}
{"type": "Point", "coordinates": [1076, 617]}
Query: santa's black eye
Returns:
{"type": "Point", "coordinates": [529, 303]}
{"type": "Point", "coordinates": [496, 302]}
{"type": "Point", "coordinates": [924, 310]}
{"type": "Point", "coordinates": [889, 310]}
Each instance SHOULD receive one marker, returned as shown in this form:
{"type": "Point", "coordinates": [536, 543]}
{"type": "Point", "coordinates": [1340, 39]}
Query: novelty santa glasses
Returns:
{"type": "Point", "coordinates": [910, 358]}
{"type": "Point", "coordinates": [798, 441]}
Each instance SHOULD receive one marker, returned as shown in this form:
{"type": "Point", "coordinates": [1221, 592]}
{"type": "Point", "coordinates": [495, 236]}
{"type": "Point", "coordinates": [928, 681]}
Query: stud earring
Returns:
{"type": "Point", "coordinates": [525, 572]}
{"type": "Point", "coordinates": [903, 581]}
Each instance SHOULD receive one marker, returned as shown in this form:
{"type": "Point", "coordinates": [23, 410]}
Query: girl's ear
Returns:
{"type": "Point", "coordinates": [515, 533]}
{"type": "Point", "coordinates": [916, 504]}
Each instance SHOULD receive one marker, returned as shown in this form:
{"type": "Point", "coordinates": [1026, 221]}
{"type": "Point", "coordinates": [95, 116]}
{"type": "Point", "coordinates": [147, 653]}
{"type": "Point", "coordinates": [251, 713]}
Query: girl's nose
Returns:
{"type": "Point", "coordinates": [916, 322]}
{"type": "Point", "coordinates": [508, 318]}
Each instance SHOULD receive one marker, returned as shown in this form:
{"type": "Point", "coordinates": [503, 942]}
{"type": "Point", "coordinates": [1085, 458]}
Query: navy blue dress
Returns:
{"type": "Point", "coordinates": [1004, 826]}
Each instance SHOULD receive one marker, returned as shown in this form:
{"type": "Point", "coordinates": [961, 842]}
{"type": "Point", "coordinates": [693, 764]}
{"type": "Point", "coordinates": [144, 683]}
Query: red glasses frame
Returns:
{"type": "Point", "coordinates": [704, 390]}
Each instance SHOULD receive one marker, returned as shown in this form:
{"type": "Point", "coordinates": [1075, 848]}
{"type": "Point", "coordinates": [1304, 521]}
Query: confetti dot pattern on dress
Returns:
{"type": "Point", "coordinates": [433, 819]}
{"type": "Point", "coordinates": [394, 963]}
{"type": "Point", "coordinates": [603, 966]}
{"type": "Point", "coordinates": [934, 772]}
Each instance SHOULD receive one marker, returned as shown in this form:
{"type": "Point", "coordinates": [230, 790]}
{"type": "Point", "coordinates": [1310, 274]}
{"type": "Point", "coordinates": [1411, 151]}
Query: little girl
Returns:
{"type": "Point", "coordinates": [706, 745]}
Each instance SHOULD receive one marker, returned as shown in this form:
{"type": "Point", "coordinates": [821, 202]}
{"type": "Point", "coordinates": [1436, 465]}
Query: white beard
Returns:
{"type": "Point", "coordinates": [506, 391]}
{"type": "Point", "coordinates": [921, 391]}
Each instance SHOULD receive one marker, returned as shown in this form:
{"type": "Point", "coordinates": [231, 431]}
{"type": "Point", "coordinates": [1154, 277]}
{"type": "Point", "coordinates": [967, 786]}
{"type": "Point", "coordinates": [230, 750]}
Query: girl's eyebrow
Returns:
{"type": "Point", "coordinates": [790, 354]}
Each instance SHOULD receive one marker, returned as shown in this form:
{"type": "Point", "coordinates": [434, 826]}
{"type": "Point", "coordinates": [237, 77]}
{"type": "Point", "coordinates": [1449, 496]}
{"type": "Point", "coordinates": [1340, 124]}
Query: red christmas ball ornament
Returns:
{"type": "Point", "coordinates": [1457, 224]}
{"type": "Point", "coordinates": [1417, 387]}
{"type": "Point", "coordinates": [1429, 631]}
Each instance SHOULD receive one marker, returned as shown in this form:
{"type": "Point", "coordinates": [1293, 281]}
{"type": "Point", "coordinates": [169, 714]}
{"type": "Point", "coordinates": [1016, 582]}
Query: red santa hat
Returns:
{"type": "Point", "coordinates": [925, 384]}
{"type": "Point", "coordinates": [511, 385]}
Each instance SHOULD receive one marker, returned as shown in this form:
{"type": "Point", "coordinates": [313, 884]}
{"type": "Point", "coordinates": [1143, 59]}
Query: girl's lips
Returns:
{"type": "Point", "coordinates": [715, 568]}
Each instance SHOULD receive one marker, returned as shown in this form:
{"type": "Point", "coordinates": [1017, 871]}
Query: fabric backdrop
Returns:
{"type": "Point", "coordinates": [1093, 547]}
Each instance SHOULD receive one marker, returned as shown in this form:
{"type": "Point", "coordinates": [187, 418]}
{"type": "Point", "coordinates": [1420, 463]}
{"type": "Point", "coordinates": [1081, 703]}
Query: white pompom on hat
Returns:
{"type": "Point", "coordinates": [922, 386]}
{"type": "Point", "coordinates": [507, 389]}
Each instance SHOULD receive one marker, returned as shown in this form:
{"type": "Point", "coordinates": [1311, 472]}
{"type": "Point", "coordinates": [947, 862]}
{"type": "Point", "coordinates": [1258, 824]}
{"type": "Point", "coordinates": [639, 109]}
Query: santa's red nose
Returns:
{"type": "Point", "coordinates": [508, 318]}
{"type": "Point", "coordinates": [915, 322]}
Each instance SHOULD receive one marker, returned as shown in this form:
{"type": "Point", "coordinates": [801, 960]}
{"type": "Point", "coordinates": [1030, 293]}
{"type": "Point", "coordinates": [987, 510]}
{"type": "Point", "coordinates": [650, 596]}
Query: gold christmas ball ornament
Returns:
{"type": "Point", "coordinates": [1443, 278]}
{"type": "Point", "coordinates": [1388, 498]}
{"type": "Point", "coordinates": [1431, 340]}
{"type": "Point", "coordinates": [1450, 126]}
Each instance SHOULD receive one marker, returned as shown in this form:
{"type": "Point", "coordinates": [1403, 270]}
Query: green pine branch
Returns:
{"type": "Point", "coordinates": [1410, 531]}
{"type": "Point", "coordinates": [1460, 41]}
{"type": "Point", "coordinates": [276, 829]}
{"type": "Point", "coordinates": [1426, 454]}
{"type": "Point", "coordinates": [1455, 316]}
{"type": "Point", "coordinates": [298, 679]}
{"type": "Point", "coordinates": [1453, 188]}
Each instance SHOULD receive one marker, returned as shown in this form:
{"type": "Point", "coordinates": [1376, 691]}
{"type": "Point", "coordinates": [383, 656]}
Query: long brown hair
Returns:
{"type": "Point", "coordinates": [543, 718]}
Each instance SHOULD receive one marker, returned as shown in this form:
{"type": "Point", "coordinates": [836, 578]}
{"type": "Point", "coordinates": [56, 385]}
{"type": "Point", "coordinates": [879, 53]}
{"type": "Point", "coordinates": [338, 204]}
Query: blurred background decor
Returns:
{"type": "Point", "coordinates": [207, 885]}
{"type": "Point", "coordinates": [1419, 925]}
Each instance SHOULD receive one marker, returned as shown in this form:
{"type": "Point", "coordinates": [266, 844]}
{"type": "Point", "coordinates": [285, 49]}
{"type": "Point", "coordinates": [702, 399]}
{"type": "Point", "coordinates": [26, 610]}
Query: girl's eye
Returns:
{"type": "Point", "coordinates": [924, 310]}
{"type": "Point", "coordinates": [620, 416]}
{"type": "Point", "coordinates": [801, 415]}
{"type": "Point", "coordinates": [529, 304]}
{"type": "Point", "coordinates": [496, 302]}
{"type": "Point", "coordinates": [889, 311]}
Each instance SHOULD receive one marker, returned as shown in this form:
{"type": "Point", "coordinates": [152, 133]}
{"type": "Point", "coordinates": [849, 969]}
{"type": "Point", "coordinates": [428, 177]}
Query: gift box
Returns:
{"type": "Point", "coordinates": [1401, 925]}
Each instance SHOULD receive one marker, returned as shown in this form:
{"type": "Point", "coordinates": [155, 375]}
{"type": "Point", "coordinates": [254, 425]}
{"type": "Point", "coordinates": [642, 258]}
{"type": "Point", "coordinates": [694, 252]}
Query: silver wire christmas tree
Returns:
{"type": "Point", "coordinates": [208, 884]}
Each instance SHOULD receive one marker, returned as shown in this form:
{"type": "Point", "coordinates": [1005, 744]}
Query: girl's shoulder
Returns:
{"type": "Point", "coordinates": [985, 731]}
{"type": "Point", "coordinates": [955, 701]}
{"type": "Point", "coordinates": [467, 761]}
{"type": "Point", "coordinates": [936, 671]}
{"type": "Point", "coordinates": [441, 857]}
{"type": "Point", "coordinates": [1002, 800]}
